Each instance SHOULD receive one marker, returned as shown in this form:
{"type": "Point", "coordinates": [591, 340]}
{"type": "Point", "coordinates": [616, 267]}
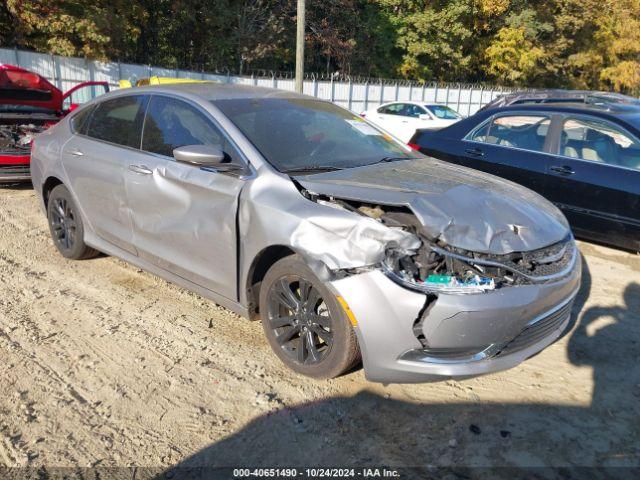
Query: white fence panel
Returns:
{"type": "Point", "coordinates": [357, 95]}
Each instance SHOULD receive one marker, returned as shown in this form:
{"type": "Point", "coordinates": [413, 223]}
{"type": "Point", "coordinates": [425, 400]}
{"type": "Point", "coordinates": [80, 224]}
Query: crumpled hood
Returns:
{"type": "Point", "coordinates": [462, 207]}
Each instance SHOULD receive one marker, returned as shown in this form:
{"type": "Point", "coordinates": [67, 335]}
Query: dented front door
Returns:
{"type": "Point", "coordinates": [184, 221]}
{"type": "Point", "coordinates": [184, 217]}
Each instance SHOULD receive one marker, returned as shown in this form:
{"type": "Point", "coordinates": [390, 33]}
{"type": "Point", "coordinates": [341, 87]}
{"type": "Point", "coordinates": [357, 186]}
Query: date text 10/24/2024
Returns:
{"type": "Point", "coordinates": [315, 473]}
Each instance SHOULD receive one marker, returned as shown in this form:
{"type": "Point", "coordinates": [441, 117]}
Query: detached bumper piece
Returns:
{"type": "Point", "coordinates": [14, 173]}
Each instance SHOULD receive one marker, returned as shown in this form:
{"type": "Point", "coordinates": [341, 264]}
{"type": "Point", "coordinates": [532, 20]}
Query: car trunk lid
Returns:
{"type": "Point", "coordinates": [20, 87]}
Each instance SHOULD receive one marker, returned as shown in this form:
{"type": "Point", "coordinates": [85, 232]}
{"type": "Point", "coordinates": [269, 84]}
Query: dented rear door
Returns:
{"type": "Point", "coordinates": [96, 159]}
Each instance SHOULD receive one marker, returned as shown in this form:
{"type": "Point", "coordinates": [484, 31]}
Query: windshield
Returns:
{"type": "Point", "coordinates": [299, 133]}
{"type": "Point", "coordinates": [443, 112]}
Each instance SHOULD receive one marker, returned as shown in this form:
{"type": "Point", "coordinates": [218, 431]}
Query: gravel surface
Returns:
{"type": "Point", "coordinates": [104, 364]}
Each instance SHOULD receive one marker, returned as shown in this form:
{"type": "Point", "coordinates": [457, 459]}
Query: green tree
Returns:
{"type": "Point", "coordinates": [514, 59]}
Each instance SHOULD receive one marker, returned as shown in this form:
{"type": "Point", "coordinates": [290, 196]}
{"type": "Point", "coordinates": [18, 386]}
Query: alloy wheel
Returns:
{"type": "Point", "coordinates": [63, 223]}
{"type": "Point", "coordinates": [300, 319]}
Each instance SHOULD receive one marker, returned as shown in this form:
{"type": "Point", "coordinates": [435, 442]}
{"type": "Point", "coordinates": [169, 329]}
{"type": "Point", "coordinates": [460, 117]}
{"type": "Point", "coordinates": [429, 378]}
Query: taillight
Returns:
{"type": "Point", "coordinates": [413, 146]}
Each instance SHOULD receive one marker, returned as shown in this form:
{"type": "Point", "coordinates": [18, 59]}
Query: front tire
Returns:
{"type": "Point", "coordinates": [65, 225]}
{"type": "Point", "coordinates": [304, 323]}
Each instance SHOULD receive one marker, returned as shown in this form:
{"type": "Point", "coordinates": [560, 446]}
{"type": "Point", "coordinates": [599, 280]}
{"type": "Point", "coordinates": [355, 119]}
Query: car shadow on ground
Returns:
{"type": "Point", "coordinates": [370, 430]}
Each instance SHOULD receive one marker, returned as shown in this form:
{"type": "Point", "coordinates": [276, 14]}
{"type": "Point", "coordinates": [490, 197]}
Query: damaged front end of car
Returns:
{"type": "Point", "coordinates": [456, 307]}
{"type": "Point", "coordinates": [423, 263]}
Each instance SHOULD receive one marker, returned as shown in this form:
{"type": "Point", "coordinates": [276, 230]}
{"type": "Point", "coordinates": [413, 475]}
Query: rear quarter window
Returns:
{"type": "Point", "coordinates": [80, 119]}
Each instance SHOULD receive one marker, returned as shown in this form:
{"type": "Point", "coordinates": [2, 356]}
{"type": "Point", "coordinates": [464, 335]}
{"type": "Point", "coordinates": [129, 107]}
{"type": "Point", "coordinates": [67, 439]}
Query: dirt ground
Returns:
{"type": "Point", "coordinates": [104, 364]}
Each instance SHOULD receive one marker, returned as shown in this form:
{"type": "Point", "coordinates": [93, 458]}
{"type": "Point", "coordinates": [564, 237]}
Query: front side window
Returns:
{"type": "Point", "coordinates": [298, 133]}
{"type": "Point", "coordinates": [172, 123]}
{"type": "Point", "coordinates": [443, 112]}
{"type": "Point", "coordinates": [599, 141]}
{"type": "Point", "coordinates": [413, 111]}
{"type": "Point", "coordinates": [528, 132]}
{"type": "Point", "coordinates": [119, 120]}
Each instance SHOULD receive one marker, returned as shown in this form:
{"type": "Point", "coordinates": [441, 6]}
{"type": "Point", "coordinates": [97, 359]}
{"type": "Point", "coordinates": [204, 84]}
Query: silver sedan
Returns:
{"type": "Point", "coordinates": [346, 244]}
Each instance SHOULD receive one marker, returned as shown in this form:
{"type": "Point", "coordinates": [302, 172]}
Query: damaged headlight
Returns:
{"type": "Point", "coordinates": [437, 269]}
{"type": "Point", "coordinates": [430, 271]}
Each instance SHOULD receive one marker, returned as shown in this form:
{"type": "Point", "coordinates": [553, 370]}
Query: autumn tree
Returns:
{"type": "Point", "coordinates": [593, 44]}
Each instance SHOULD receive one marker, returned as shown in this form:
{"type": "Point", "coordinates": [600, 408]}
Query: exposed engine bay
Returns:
{"type": "Point", "coordinates": [17, 138]}
{"type": "Point", "coordinates": [436, 267]}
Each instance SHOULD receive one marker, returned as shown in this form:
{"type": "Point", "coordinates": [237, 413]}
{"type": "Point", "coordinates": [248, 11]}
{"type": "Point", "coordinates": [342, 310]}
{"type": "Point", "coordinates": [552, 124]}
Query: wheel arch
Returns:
{"type": "Point", "coordinates": [49, 184]}
{"type": "Point", "coordinates": [258, 269]}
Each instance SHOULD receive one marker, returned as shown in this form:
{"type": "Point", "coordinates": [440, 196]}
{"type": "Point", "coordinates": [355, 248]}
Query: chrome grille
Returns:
{"type": "Point", "coordinates": [539, 330]}
{"type": "Point", "coordinates": [543, 262]}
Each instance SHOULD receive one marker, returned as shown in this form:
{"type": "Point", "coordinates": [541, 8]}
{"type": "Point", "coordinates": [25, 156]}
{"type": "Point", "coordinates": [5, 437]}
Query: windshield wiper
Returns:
{"type": "Point", "coordinates": [312, 169]}
{"type": "Point", "coordinates": [393, 159]}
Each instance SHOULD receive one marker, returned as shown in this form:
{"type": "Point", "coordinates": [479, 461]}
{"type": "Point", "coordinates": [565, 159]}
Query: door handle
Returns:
{"type": "Point", "coordinates": [476, 152]}
{"type": "Point", "coordinates": [141, 169]}
{"type": "Point", "coordinates": [76, 153]}
{"type": "Point", "coordinates": [563, 170]}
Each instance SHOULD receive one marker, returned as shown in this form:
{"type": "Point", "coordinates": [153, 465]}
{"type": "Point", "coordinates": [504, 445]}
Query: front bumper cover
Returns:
{"type": "Point", "coordinates": [482, 324]}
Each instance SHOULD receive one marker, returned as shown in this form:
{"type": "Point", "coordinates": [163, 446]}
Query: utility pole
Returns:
{"type": "Point", "coordinates": [300, 47]}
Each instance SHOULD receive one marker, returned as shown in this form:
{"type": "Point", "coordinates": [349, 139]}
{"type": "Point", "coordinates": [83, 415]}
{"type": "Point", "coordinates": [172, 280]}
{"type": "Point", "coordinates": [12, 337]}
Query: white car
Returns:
{"type": "Point", "coordinates": [402, 119]}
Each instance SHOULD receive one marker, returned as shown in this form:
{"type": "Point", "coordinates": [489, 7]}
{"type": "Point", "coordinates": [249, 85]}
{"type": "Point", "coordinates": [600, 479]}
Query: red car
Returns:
{"type": "Point", "coordinates": [30, 104]}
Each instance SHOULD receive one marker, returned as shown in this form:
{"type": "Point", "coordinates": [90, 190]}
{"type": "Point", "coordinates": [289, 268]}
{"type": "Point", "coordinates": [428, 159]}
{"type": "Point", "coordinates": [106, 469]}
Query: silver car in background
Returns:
{"type": "Point", "coordinates": [346, 244]}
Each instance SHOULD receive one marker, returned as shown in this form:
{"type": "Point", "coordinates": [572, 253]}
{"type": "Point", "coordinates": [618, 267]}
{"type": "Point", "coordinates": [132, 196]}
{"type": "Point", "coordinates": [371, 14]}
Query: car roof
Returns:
{"type": "Point", "coordinates": [220, 91]}
{"type": "Point", "coordinates": [599, 108]}
{"type": "Point", "coordinates": [413, 102]}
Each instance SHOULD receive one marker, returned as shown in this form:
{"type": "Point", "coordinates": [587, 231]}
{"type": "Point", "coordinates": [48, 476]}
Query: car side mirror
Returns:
{"type": "Point", "coordinates": [200, 155]}
{"type": "Point", "coordinates": [424, 116]}
{"type": "Point", "coordinates": [205, 156]}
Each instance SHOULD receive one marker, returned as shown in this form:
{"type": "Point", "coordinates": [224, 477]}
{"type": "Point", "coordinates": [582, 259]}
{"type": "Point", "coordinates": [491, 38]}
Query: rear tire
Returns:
{"type": "Point", "coordinates": [65, 225]}
{"type": "Point", "coordinates": [304, 323]}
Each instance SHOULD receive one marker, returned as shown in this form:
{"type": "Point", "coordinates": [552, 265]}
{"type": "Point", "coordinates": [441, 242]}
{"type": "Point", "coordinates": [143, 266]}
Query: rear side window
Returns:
{"type": "Point", "coordinates": [599, 141]}
{"type": "Point", "coordinates": [172, 123]}
{"type": "Point", "coordinates": [528, 132]}
{"type": "Point", "coordinates": [393, 109]}
{"type": "Point", "coordinates": [443, 112]}
{"type": "Point", "coordinates": [119, 121]}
